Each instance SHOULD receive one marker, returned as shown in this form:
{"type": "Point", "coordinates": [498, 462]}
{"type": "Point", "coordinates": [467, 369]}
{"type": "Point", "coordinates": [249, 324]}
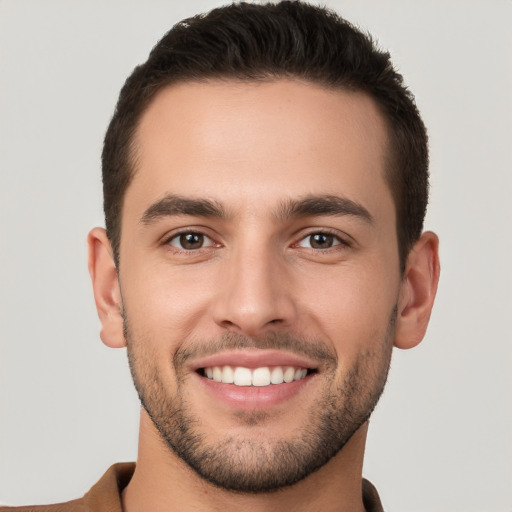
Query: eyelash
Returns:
{"type": "Point", "coordinates": [339, 242]}
{"type": "Point", "coordinates": [176, 236]}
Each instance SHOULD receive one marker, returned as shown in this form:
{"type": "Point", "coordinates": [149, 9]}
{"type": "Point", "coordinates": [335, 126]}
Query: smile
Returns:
{"type": "Point", "coordinates": [260, 377]}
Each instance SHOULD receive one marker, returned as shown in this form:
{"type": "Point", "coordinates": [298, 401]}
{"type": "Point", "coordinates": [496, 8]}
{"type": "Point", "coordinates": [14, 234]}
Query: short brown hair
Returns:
{"type": "Point", "coordinates": [266, 42]}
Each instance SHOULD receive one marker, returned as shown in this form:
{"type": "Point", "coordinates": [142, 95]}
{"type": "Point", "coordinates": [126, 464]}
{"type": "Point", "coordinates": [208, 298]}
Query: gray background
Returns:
{"type": "Point", "coordinates": [440, 439]}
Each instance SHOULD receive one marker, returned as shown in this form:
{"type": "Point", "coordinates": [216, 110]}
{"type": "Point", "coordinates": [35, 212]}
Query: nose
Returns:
{"type": "Point", "coordinates": [255, 293]}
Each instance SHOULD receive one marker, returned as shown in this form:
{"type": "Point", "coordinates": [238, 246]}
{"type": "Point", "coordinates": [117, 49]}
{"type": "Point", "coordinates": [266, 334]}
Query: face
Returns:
{"type": "Point", "coordinates": [259, 275]}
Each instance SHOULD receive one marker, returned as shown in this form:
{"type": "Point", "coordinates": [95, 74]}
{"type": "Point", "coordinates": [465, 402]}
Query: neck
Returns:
{"type": "Point", "coordinates": [162, 481]}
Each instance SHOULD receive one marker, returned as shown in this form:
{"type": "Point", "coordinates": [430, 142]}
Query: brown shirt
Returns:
{"type": "Point", "coordinates": [105, 496]}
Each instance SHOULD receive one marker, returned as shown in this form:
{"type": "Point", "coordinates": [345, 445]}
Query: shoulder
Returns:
{"type": "Point", "coordinates": [105, 495]}
{"type": "Point", "coordinates": [371, 499]}
{"type": "Point", "coordinates": [70, 506]}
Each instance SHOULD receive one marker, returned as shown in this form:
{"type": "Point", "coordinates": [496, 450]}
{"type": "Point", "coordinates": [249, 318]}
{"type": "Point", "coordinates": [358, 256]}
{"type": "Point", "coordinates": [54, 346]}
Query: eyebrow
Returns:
{"type": "Point", "coordinates": [178, 205]}
{"type": "Point", "coordinates": [313, 205]}
{"type": "Point", "coordinates": [329, 205]}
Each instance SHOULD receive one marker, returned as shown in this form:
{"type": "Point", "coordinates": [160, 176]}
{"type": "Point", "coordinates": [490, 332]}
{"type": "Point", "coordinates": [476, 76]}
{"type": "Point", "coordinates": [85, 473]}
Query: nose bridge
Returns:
{"type": "Point", "coordinates": [254, 294]}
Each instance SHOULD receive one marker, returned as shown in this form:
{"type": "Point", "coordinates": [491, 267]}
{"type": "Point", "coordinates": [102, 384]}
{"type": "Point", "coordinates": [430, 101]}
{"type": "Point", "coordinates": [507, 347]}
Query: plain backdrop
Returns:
{"type": "Point", "coordinates": [441, 437]}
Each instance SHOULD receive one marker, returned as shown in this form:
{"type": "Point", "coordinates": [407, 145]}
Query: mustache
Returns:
{"type": "Point", "coordinates": [312, 348]}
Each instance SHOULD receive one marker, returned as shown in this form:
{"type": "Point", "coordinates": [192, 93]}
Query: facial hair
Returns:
{"type": "Point", "coordinates": [243, 463]}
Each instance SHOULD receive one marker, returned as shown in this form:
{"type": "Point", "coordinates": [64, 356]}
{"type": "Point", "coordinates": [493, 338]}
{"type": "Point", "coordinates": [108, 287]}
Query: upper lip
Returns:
{"type": "Point", "coordinates": [255, 358]}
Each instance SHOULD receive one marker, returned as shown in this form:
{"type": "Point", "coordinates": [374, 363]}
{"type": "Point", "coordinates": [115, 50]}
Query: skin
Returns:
{"type": "Point", "coordinates": [252, 148]}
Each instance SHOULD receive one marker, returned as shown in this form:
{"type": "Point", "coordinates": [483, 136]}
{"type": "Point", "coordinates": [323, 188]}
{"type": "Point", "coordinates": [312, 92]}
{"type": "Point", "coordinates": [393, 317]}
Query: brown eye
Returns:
{"type": "Point", "coordinates": [190, 241]}
{"type": "Point", "coordinates": [320, 241]}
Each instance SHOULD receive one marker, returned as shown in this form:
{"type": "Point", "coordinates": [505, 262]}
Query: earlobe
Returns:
{"type": "Point", "coordinates": [107, 293]}
{"type": "Point", "coordinates": [418, 291]}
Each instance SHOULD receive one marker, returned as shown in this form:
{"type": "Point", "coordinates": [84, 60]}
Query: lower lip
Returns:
{"type": "Point", "coordinates": [254, 397]}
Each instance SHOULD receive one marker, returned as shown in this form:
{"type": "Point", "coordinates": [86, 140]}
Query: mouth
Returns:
{"type": "Point", "coordinates": [257, 377]}
{"type": "Point", "coordinates": [254, 379]}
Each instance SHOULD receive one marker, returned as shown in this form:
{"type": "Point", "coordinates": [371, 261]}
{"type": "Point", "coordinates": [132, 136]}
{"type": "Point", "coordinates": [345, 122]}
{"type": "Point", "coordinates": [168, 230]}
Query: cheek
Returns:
{"type": "Point", "coordinates": [353, 306]}
{"type": "Point", "coordinates": [165, 299]}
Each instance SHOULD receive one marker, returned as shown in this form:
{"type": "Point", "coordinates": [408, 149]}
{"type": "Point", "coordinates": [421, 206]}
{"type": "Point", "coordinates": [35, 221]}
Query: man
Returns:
{"type": "Point", "coordinates": [265, 183]}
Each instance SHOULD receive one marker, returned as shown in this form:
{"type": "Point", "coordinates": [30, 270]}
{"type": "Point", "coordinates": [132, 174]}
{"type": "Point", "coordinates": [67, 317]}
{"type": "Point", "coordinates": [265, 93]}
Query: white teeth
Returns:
{"type": "Point", "coordinates": [264, 376]}
{"type": "Point", "coordinates": [217, 374]}
{"type": "Point", "coordinates": [261, 377]}
{"type": "Point", "coordinates": [276, 376]}
{"type": "Point", "coordinates": [242, 376]}
{"type": "Point", "coordinates": [289, 374]}
{"type": "Point", "coordinates": [300, 373]}
{"type": "Point", "coordinates": [228, 375]}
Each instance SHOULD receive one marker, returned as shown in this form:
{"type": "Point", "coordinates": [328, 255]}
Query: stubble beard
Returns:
{"type": "Point", "coordinates": [248, 465]}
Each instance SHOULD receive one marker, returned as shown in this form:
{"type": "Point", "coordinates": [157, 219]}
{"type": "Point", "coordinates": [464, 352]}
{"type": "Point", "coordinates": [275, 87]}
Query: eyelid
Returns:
{"type": "Point", "coordinates": [175, 234]}
{"type": "Point", "coordinates": [343, 239]}
{"type": "Point", "coordinates": [208, 242]}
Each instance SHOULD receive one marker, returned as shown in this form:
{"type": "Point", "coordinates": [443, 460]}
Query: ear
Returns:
{"type": "Point", "coordinates": [417, 292]}
{"type": "Point", "coordinates": [107, 293]}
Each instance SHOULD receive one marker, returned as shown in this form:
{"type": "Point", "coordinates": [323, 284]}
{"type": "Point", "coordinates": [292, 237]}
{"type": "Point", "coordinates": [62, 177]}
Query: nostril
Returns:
{"type": "Point", "coordinates": [227, 323]}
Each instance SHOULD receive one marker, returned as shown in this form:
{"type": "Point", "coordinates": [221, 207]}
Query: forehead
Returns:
{"type": "Point", "coordinates": [248, 141]}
